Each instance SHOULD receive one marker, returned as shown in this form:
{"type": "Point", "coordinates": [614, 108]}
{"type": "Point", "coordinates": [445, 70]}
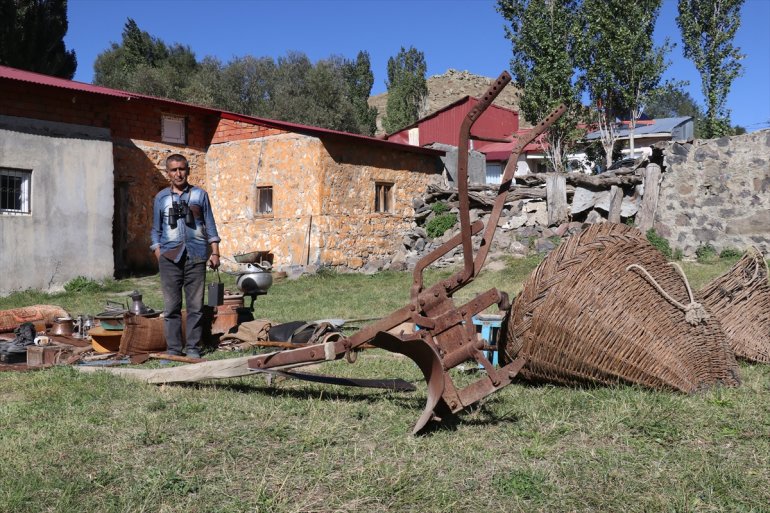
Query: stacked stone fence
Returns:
{"type": "Point", "coordinates": [714, 192]}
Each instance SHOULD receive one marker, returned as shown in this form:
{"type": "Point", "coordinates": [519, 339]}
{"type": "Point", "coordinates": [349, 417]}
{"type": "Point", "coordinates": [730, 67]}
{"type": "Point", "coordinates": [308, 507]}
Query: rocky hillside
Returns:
{"type": "Point", "coordinates": [448, 88]}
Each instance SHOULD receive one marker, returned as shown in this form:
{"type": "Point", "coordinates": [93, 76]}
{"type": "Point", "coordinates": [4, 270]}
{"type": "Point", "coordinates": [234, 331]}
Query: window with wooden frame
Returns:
{"type": "Point", "coordinates": [15, 190]}
{"type": "Point", "coordinates": [173, 129]}
{"type": "Point", "coordinates": [264, 200]}
{"type": "Point", "coordinates": [383, 197]}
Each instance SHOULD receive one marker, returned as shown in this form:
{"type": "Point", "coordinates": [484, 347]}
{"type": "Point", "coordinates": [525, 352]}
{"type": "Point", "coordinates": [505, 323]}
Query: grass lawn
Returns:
{"type": "Point", "coordinates": [95, 442]}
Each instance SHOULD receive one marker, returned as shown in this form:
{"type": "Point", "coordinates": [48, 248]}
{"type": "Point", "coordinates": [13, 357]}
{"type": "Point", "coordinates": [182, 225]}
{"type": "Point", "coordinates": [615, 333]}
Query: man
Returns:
{"type": "Point", "coordinates": [184, 238]}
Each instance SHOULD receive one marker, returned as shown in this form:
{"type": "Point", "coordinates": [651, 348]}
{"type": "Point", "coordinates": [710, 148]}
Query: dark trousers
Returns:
{"type": "Point", "coordinates": [174, 277]}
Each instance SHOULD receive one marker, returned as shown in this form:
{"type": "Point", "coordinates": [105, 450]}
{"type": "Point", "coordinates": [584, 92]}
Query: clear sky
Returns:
{"type": "Point", "coordinates": [460, 34]}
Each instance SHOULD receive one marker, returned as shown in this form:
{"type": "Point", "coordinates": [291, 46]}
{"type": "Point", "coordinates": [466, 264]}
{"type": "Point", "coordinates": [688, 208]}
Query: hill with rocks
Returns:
{"type": "Point", "coordinates": [449, 87]}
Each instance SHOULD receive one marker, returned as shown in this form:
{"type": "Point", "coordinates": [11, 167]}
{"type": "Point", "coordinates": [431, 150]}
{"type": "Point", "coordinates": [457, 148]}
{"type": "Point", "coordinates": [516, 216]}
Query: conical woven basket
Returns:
{"type": "Point", "coordinates": [740, 299]}
{"type": "Point", "coordinates": [606, 307]}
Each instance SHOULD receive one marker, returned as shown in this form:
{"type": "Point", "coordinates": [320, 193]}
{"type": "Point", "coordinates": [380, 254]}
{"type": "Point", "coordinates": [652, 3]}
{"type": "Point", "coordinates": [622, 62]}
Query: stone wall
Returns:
{"type": "Point", "coordinates": [139, 174]}
{"type": "Point", "coordinates": [716, 192]}
{"type": "Point", "coordinates": [323, 198]}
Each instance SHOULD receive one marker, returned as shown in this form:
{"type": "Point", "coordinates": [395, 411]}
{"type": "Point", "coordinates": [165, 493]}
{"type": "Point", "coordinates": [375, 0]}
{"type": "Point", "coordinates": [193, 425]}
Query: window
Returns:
{"type": "Point", "coordinates": [173, 129]}
{"type": "Point", "coordinates": [494, 173]}
{"type": "Point", "coordinates": [15, 187]}
{"type": "Point", "coordinates": [264, 200]}
{"type": "Point", "coordinates": [383, 197]}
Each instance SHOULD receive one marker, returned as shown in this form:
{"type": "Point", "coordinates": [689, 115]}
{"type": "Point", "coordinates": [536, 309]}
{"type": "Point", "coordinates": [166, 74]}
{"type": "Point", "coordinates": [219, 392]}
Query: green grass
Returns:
{"type": "Point", "coordinates": [74, 442]}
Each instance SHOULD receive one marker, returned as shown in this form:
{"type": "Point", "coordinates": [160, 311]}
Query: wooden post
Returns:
{"type": "Point", "coordinates": [645, 219]}
{"type": "Point", "coordinates": [616, 202]}
{"type": "Point", "coordinates": [556, 198]}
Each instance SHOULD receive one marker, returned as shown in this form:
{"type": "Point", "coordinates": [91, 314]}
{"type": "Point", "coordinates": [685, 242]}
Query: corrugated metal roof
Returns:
{"type": "Point", "coordinates": [442, 126]}
{"type": "Point", "coordinates": [661, 126]}
{"type": "Point", "coordinates": [61, 83]}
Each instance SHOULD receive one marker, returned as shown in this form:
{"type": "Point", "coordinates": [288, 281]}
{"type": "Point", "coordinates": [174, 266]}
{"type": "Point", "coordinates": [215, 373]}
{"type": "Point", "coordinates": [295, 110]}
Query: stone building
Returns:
{"type": "Point", "coordinates": [80, 165]}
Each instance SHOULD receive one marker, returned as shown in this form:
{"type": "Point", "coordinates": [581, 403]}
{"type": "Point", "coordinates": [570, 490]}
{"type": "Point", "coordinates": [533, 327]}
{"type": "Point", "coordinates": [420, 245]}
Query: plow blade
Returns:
{"type": "Point", "coordinates": [427, 359]}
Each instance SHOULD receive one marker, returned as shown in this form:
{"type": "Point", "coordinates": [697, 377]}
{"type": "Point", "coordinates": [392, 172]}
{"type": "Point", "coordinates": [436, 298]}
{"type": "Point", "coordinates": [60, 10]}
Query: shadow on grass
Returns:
{"type": "Point", "coordinates": [476, 415]}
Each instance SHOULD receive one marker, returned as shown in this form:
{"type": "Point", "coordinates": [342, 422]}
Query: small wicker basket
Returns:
{"type": "Point", "coordinates": [740, 299]}
{"type": "Point", "coordinates": [605, 307]}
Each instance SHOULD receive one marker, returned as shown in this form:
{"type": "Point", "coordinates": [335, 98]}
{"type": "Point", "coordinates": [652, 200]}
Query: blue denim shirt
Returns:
{"type": "Point", "coordinates": [194, 238]}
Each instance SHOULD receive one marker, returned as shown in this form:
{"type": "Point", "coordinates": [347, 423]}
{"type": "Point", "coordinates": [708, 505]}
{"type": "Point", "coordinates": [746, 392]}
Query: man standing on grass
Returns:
{"type": "Point", "coordinates": [184, 238]}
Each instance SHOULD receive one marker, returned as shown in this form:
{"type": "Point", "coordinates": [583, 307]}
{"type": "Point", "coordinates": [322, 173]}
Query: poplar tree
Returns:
{"type": "Point", "coordinates": [360, 80]}
{"type": "Point", "coordinates": [708, 29]}
{"type": "Point", "coordinates": [621, 65]}
{"type": "Point", "coordinates": [32, 37]}
{"type": "Point", "coordinates": [543, 38]}
{"type": "Point", "coordinates": [407, 89]}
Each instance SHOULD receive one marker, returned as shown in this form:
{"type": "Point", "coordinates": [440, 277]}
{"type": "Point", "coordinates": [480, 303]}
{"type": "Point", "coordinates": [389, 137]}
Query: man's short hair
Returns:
{"type": "Point", "coordinates": [176, 157]}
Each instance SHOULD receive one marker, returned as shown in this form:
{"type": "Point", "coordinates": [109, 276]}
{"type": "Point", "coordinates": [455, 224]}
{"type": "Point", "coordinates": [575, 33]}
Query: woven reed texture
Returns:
{"type": "Point", "coordinates": [142, 335]}
{"type": "Point", "coordinates": [740, 299]}
{"type": "Point", "coordinates": [585, 317]}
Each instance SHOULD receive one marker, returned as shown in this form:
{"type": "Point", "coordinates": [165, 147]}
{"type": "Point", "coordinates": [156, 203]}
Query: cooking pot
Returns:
{"type": "Point", "coordinates": [254, 279]}
{"type": "Point", "coordinates": [63, 326]}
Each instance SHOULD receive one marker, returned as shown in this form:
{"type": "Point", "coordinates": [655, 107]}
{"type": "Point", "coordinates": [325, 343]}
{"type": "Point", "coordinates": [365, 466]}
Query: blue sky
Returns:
{"type": "Point", "coordinates": [460, 34]}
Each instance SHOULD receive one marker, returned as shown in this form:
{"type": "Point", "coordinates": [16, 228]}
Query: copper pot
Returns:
{"type": "Point", "coordinates": [63, 326]}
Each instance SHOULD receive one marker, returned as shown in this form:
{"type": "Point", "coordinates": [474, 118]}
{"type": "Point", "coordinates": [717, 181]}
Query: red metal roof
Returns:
{"type": "Point", "coordinates": [61, 83]}
{"type": "Point", "coordinates": [443, 125]}
{"type": "Point", "coordinates": [500, 151]}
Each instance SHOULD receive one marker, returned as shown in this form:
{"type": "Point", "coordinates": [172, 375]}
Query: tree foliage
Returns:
{"type": "Point", "coordinates": [331, 93]}
{"type": "Point", "coordinates": [670, 101]}
{"type": "Point", "coordinates": [407, 89]}
{"type": "Point", "coordinates": [32, 37]}
{"type": "Point", "coordinates": [708, 29]}
{"type": "Point", "coordinates": [144, 64]}
{"type": "Point", "coordinates": [543, 37]}
{"type": "Point", "coordinates": [360, 81]}
{"type": "Point", "coordinates": [621, 65]}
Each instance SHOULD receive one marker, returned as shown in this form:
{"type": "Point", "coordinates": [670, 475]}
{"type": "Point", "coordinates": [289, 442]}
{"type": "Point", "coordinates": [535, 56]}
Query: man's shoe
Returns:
{"type": "Point", "coordinates": [192, 353]}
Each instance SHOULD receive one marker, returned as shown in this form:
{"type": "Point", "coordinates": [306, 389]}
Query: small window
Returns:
{"type": "Point", "coordinates": [173, 129]}
{"type": "Point", "coordinates": [15, 188]}
{"type": "Point", "coordinates": [494, 173]}
{"type": "Point", "coordinates": [264, 200]}
{"type": "Point", "coordinates": [383, 197]}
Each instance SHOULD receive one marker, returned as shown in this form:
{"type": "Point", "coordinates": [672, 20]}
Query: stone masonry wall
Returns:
{"type": "Point", "coordinates": [350, 233]}
{"type": "Point", "coordinates": [287, 163]}
{"type": "Point", "coordinates": [716, 192]}
{"type": "Point", "coordinates": [140, 168]}
{"type": "Point", "coordinates": [323, 198]}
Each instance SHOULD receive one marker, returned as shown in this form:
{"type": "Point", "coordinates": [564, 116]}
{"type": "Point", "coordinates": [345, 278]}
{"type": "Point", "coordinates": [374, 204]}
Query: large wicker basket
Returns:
{"type": "Point", "coordinates": [606, 307]}
{"type": "Point", "coordinates": [740, 299]}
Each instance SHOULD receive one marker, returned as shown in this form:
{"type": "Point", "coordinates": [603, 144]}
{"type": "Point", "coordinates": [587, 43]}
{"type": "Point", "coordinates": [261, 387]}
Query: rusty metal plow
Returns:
{"type": "Point", "coordinates": [446, 335]}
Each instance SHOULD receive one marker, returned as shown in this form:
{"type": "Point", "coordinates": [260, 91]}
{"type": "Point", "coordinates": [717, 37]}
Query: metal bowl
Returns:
{"type": "Point", "coordinates": [254, 280]}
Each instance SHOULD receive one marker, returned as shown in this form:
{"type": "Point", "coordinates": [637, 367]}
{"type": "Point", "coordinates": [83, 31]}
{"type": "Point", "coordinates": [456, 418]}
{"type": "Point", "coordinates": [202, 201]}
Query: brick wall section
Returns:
{"type": "Point", "coordinates": [323, 198]}
{"type": "Point", "coordinates": [229, 130]}
{"type": "Point", "coordinates": [32, 101]}
{"type": "Point", "coordinates": [130, 119]}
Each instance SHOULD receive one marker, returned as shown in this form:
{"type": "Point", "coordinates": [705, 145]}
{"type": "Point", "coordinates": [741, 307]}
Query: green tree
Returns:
{"type": "Point", "coordinates": [671, 101]}
{"type": "Point", "coordinates": [32, 37]}
{"type": "Point", "coordinates": [622, 66]}
{"type": "Point", "coordinates": [144, 64]}
{"type": "Point", "coordinates": [360, 80]}
{"type": "Point", "coordinates": [407, 89]}
{"type": "Point", "coordinates": [708, 29]}
{"type": "Point", "coordinates": [543, 36]}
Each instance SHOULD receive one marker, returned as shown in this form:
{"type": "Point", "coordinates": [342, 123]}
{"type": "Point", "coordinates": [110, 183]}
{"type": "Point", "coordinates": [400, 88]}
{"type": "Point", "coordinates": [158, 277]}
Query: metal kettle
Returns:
{"type": "Point", "coordinates": [138, 307]}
